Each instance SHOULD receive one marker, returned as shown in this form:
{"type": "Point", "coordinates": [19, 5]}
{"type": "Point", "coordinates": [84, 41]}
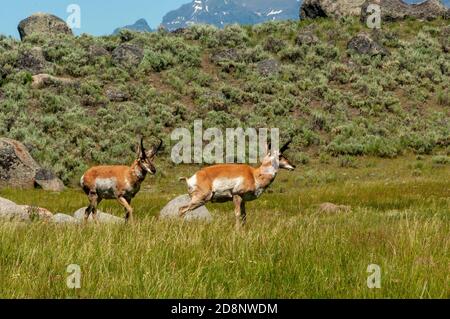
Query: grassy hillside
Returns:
{"type": "Point", "coordinates": [331, 101]}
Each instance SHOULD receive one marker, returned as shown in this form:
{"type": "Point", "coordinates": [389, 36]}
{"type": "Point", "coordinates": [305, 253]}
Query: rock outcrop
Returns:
{"type": "Point", "coordinates": [19, 170]}
{"type": "Point", "coordinates": [393, 10]}
{"type": "Point", "coordinates": [43, 23]}
{"type": "Point", "coordinates": [330, 8]}
{"type": "Point", "coordinates": [170, 211]}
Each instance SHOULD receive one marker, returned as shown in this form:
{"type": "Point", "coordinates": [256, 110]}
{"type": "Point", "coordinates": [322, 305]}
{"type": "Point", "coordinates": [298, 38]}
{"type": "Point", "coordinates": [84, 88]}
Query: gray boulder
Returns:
{"type": "Point", "coordinates": [364, 44]}
{"type": "Point", "coordinates": [330, 8]}
{"type": "Point", "coordinates": [268, 67]}
{"type": "Point", "coordinates": [19, 170]}
{"type": "Point", "coordinates": [37, 213]}
{"type": "Point", "coordinates": [32, 60]}
{"type": "Point", "coordinates": [128, 55]}
{"type": "Point", "coordinates": [102, 217]}
{"type": "Point", "coordinates": [115, 95]}
{"type": "Point", "coordinates": [47, 180]}
{"type": "Point", "coordinates": [43, 23]}
{"type": "Point", "coordinates": [96, 51]}
{"type": "Point", "coordinates": [64, 219]}
{"type": "Point", "coordinates": [393, 10]}
{"type": "Point", "coordinates": [17, 167]}
{"type": "Point", "coordinates": [171, 210]}
{"type": "Point", "coordinates": [10, 211]}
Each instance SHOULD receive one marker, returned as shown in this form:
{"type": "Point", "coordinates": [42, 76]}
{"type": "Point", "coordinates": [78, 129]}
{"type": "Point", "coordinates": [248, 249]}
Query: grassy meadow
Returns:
{"type": "Point", "coordinates": [400, 220]}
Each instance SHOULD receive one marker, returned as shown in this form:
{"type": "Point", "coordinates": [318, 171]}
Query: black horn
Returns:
{"type": "Point", "coordinates": [142, 147]}
{"type": "Point", "coordinates": [286, 146]}
{"type": "Point", "coordinates": [159, 146]}
{"type": "Point", "coordinates": [156, 149]}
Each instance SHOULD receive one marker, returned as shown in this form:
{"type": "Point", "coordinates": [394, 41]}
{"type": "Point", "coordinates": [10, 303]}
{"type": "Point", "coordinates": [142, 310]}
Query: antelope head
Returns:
{"type": "Point", "coordinates": [145, 158]}
{"type": "Point", "coordinates": [284, 162]}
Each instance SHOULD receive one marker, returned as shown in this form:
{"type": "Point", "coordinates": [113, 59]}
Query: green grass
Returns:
{"type": "Point", "coordinates": [399, 220]}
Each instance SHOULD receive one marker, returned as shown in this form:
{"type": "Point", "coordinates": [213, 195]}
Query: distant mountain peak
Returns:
{"type": "Point", "coordinates": [223, 12]}
{"type": "Point", "coordinates": [140, 25]}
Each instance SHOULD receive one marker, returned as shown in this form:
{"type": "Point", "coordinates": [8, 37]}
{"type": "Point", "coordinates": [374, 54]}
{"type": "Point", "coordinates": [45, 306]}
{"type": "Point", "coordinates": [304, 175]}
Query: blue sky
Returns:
{"type": "Point", "coordinates": [98, 17]}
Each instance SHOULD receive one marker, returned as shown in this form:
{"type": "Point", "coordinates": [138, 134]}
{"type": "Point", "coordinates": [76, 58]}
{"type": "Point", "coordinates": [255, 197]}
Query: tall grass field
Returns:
{"type": "Point", "coordinates": [399, 220]}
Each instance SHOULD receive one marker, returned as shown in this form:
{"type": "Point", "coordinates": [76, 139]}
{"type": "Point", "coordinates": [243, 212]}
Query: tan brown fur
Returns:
{"type": "Point", "coordinates": [118, 182]}
{"type": "Point", "coordinates": [233, 182]}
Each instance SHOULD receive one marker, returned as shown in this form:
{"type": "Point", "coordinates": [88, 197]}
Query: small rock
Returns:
{"type": "Point", "coordinates": [171, 210]}
{"type": "Point", "coordinates": [268, 67]}
{"type": "Point", "coordinates": [128, 55]}
{"type": "Point", "coordinates": [102, 217]}
{"type": "Point", "coordinates": [306, 38]}
{"type": "Point", "coordinates": [64, 219]}
{"type": "Point", "coordinates": [363, 44]}
{"type": "Point", "coordinates": [331, 208]}
{"type": "Point", "coordinates": [37, 213]}
{"type": "Point", "coordinates": [116, 96]}
{"type": "Point", "coordinates": [43, 23]}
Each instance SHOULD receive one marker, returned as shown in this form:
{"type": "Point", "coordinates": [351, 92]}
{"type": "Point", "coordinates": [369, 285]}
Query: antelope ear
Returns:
{"type": "Point", "coordinates": [268, 148]}
{"type": "Point", "coordinates": [138, 150]}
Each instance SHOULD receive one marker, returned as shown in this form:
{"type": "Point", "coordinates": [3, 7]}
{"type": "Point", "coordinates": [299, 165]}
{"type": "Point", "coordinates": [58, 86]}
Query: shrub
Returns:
{"type": "Point", "coordinates": [347, 162]}
{"type": "Point", "coordinates": [441, 160]}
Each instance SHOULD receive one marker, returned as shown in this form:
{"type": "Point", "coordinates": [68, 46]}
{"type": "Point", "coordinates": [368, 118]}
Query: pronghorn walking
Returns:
{"type": "Point", "coordinates": [118, 182]}
{"type": "Point", "coordinates": [235, 182]}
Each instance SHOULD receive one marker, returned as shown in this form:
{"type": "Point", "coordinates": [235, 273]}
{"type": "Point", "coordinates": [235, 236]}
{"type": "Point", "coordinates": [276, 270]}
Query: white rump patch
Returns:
{"type": "Point", "coordinates": [192, 182]}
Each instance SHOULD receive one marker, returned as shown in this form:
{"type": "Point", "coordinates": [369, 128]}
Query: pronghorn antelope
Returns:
{"type": "Point", "coordinates": [118, 182]}
{"type": "Point", "coordinates": [235, 182]}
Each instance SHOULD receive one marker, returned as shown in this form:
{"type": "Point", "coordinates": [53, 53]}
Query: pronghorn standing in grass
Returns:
{"type": "Point", "coordinates": [118, 182]}
{"type": "Point", "coordinates": [235, 182]}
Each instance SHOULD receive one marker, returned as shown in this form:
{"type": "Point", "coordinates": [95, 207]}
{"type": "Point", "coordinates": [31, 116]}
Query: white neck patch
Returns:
{"type": "Point", "coordinates": [270, 170]}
